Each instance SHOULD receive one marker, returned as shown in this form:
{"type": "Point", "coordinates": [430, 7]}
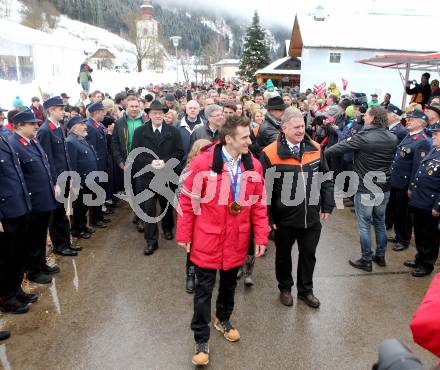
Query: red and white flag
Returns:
{"type": "Point", "coordinates": [320, 89]}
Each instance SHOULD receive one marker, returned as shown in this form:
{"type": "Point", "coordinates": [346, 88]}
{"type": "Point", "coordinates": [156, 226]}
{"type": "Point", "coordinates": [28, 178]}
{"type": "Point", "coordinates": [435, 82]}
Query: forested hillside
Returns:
{"type": "Point", "coordinates": [197, 28]}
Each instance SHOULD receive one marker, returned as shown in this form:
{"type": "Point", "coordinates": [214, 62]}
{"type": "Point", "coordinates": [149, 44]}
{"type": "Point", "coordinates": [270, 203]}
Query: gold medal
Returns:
{"type": "Point", "coordinates": [234, 209]}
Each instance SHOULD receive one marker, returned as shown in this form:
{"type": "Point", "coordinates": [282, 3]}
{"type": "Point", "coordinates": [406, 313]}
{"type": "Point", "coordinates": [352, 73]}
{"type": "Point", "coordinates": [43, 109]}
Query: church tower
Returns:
{"type": "Point", "coordinates": [147, 25]}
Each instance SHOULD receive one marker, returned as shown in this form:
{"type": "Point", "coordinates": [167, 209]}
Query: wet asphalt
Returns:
{"type": "Point", "coordinates": [114, 308]}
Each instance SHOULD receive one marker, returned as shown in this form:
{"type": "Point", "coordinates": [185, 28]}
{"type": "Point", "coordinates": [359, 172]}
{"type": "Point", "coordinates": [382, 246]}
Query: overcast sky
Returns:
{"type": "Point", "coordinates": [283, 11]}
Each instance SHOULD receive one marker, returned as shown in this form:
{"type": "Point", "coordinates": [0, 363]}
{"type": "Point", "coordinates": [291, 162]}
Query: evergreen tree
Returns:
{"type": "Point", "coordinates": [255, 51]}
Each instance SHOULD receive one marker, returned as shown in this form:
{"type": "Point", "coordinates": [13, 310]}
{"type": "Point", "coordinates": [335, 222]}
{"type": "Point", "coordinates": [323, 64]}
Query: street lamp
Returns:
{"type": "Point", "coordinates": [175, 40]}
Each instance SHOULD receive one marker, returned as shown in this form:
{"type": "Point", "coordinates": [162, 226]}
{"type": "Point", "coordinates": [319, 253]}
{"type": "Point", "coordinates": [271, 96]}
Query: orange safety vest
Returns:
{"type": "Point", "coordinates": [308, 157]}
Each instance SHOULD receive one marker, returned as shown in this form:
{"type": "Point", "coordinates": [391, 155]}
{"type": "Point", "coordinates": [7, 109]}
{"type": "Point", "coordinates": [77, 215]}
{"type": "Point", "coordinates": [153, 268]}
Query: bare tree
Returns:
{"type": "Point", "coordinates": [144, 46]}
{"type": "Point", "coordinates": [185, 62]}
{"type": "Point", "coordinates": [214, 51]}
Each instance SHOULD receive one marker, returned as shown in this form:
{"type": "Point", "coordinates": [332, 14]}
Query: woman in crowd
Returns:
{"type": "Point", "coordinates": [171, 117]}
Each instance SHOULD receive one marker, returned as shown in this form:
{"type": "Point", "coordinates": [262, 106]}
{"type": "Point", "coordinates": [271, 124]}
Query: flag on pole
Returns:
{"type": "Point", "coordinates": [320, 89]}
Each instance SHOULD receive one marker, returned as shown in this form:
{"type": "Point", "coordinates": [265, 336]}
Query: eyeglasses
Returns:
{"type": "Point", "coordinates": [217, 115]}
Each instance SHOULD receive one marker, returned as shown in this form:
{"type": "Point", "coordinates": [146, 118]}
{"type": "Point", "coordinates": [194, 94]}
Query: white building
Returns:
{"type": "Point", "coordinates": [329, 47]}
{"type": "Point", "coordinates": [28, 55]}
{"type": "Point", "coordinates": [147, 26]}
{"type": "Point", "coordinates": [226, 68]}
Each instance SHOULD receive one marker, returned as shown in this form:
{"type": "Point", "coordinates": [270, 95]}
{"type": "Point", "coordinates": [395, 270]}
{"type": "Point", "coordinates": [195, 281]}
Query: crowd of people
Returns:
{"type": "Point", "coordinates": [222, 133]}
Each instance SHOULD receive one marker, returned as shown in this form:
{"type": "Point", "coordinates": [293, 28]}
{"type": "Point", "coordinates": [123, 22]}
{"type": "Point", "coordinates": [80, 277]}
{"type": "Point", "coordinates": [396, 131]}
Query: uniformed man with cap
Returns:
{"type": "Point", "coordinates": [412, 149]}
{"type": "Point", "coordinates": [97, 138]}
{"type": "Point", "coordinates": [83, 159]}
{"type": "Point", "coordinates": [15, 205]}
{"type": "Point", "coordinates": [38, 179]}
{"type": "Point", "coordinates": [52, 139]}
{"type": "Point", "coordinates": [433, 113]}
{"type": "Point", "coordinates": [424, 194]}
{"type": "Point", "coordinates": [395, 126]}
{"type": "Point", "coordinates": [394, 122]}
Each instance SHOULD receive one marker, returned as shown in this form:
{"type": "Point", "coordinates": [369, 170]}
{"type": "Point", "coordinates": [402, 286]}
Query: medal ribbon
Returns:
{"type": "Point", "coordinates": [234, 177]}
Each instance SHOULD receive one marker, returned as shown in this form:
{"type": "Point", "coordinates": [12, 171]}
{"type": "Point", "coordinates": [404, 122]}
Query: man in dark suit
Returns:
{"type": "Point", "coordinates": [38, 179]}
{"type": "Point", "coordinates": [164, 140]}
{"type": "Point", "coordinates": [52, 139]}
{"type": "Point", "coordinates": [15, 206]}
{"type": "Point", "coordinates": [84, 161]}
{"type": "Point", "coordinates": [97, 138]}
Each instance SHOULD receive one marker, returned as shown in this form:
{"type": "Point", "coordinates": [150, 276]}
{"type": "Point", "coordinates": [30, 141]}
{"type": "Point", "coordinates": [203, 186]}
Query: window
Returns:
{"type": "Point", "coordinates": [335, 57]}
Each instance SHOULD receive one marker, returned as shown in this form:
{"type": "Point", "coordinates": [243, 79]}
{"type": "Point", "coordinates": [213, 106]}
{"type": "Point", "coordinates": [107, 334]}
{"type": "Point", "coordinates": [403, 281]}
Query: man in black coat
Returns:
{"type": "Point", "coordinates": [122, 139]}
{"type": "Point", "coordinates": [299, 161]}
{"type": "Point", "coordinates": [373, 149]}
{"type": "Point", "coordinates": [53, 141]}
{"type": "Point", "coordinates": [38, 179]}
{"type": "Point", "coordinates": [164, 140]}
{"type": "Point", "coordinates": [420, 92]}
{"type": "Point", "coordinates": [271, 127]}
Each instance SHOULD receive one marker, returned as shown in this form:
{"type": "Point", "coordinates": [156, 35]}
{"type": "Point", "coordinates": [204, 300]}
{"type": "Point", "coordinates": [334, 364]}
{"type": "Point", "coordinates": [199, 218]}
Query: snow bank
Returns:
{"type": "Point", "coordinates": [110, 82]}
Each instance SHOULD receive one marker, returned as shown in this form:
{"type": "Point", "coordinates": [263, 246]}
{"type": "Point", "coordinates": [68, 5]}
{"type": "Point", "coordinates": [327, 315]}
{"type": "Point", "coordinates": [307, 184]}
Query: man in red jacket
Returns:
{"type": "Point", "coordinates": [221, 199]}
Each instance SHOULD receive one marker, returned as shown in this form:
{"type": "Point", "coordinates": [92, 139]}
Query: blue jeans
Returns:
{"type": "Point", "coordinates": [85, 86]}
{"type": "Point", "coordinates": [370, 212]}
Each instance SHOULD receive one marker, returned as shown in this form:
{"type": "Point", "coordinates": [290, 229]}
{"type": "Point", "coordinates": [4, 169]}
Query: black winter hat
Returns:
{"type": "Point", "coordinates": [156, 105]}
{"type": "Point", "coordinates": [276, 103]}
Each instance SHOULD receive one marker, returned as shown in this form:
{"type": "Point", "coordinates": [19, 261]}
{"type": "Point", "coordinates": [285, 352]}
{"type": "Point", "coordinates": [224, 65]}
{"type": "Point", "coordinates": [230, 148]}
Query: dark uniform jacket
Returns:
{"type": "Point", "coordinates": [399, 131]}
{"type": "Point", "coordinates": [425, 189]}
{"type": "Point", "coordinates": [53, 142]}
{"type": "Point", "coordinates": [374, 149]}
{"type": "Point", "coordinates": [409, 153]}
{"type": "Point", "coordinates": [36, 171]}
{"type": "Point", "coordinates": [97, 138]}
{"type": "Point", "coordinates": [304, 168]}
{"type": "Point", "coordinates": [14, 195]}
{"type": "Point", "coordinates": [168, 146]}
{"type": "Point", "coordinates": [82, 156]}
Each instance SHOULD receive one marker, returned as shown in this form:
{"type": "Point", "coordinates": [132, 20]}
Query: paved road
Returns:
{"type": "Point", "coordinates": [113, 308]}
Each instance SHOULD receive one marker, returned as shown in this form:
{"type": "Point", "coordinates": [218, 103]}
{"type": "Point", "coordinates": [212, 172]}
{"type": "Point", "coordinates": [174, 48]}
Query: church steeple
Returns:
{"type": "Point", "coordinates": [147, 10]}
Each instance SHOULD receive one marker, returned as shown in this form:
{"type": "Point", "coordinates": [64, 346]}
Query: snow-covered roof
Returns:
{"type": "Point", "coordinates": [227, 61]}
{"type": "Point", "coordinates": [13, 32]}
{"type": "Point", "coordinates": [271, 68]}
{"type": "Point", "coordinates": [371, 31]}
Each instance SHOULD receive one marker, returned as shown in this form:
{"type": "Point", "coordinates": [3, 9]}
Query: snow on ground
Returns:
{"type": "Point", "coordinates": [92, 38]}
{"type": "Point", "coordinates": [105, 81]}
